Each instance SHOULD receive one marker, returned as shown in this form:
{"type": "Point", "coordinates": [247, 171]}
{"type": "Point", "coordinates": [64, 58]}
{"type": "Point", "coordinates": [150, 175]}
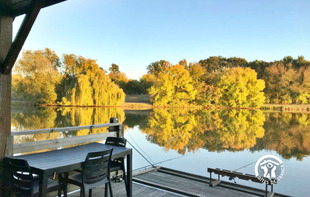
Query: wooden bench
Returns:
{"type": "Point", "coordinates": [247, 177]}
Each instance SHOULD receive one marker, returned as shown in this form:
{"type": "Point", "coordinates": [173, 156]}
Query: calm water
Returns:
{"type": "Point", "coordinates": [193, 140]}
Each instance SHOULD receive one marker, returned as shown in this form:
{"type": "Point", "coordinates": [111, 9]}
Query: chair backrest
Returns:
{"type": "Point", "coordinates": [116, 141]}
{"type": "Point", "coordinates": [21, 175]}
{"type": "Point", "coordinates": [97, 166]}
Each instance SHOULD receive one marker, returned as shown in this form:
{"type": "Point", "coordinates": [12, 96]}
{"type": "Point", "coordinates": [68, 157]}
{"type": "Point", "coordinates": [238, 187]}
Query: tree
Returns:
{"type": "Point", "coordinates": [133, 87]}
{"type": "Point", "coordinates": [147, 81]}
{"type": "Point", "coordinates": [207, 93]}
{"type": "Point", "coordinates": [86, 84]}
{"type": "Point", "coordinates": [259, 67]}
{"type": "Point", "coordinates": [279, 81]}
{"type": "Point", "coordinates": [158, 67]}
{"type": "Point", "coordinates": [36, 76]}
{"type": "Point", "coordinates": [173, 88]}
{"type": "Point", "coordinates": [183, 62]}
{"type": "Point", "coordinates": [118, 77]}
{"type": "Point", "coordinates": [241, 88]}
{"type": "Point", "coordinates": [215, 64]}
{"type": "Point", "coordinates": [300, 61]}
{"type": "Point", "coordinates": [114, 69]}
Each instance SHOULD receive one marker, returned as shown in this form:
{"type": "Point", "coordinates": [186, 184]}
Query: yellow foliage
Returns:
{"type": "Point", "coordinates": [189, 130]}
{"type": "Point", "coordinates": [86, 84]}
{"type": "Point", "coordinates": [173, 88]}
{"type": "Point", "coordinates": [241, 88]}
{"type": "Point", "coordinates": [36, 76]}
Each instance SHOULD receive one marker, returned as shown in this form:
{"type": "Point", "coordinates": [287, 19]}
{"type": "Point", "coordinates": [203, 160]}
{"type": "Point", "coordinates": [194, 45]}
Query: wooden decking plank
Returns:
{"type": "Point", "coordinates": [195, 188]}
{"type": "Point", "coordinates": [161, 184]}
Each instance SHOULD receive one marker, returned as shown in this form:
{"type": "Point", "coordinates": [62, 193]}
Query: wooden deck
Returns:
{"type": "Point", "coordinates": [163, 182]}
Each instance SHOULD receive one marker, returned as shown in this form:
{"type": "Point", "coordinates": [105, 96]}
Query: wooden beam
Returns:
{"type": "Point", "coordinates": [19, 7]}
{"type": "Point", "coordinates": [6, 141]}
{"type": "Point", "coordinates": [5, 88]}
{"type": "Point", "coordinates": [20, 38]}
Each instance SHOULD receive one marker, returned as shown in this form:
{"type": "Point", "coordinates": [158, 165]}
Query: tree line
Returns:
{"type": "Point", "coordinates": [232, 82]}
{"type": "Point", "coordinates": [41, 76]}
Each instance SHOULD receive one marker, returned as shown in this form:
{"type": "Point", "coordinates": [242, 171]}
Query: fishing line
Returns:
{"type": "Point", "coordinates": [161, 162]}
{"type": "Point", "coordinates": [244, 166]}
{"type": "Point", "coordinates": [141, 154]}
{"type": "Point", "coordinates": [140, 148]}
{"type": "Point", "coordinates": [233, 178]}
{"type": "Point", "coordinates": [152, 163]}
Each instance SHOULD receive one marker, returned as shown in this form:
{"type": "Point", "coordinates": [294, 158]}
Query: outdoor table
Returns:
{"type": "Point", "coordinates": [45, 164]}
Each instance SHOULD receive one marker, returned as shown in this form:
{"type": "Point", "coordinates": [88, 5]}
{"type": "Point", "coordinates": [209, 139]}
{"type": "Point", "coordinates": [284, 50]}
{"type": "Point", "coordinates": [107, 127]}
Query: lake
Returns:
{"type": "Point", "coordinates": [192, 140]}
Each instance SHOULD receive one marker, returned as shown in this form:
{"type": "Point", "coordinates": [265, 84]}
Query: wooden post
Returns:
{"type": "Point", "coordinates": [6, 141]}
{"type": "Point", "coordinates": [119, 129]}
{"type": "Point", "coordinates": [5, 88]}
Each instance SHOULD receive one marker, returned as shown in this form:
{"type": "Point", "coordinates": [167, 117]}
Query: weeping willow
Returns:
{"type": "Point", "coordinates": [85, 84]}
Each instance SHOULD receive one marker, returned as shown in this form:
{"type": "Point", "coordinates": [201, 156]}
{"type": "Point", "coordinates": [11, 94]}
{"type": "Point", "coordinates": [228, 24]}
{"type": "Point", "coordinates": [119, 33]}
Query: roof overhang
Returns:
{"type": "Point", "coordinates": [15, 8]}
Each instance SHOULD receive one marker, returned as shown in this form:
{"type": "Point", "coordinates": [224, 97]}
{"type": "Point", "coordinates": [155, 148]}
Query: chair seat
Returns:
{"type": "Point", "coordinates": [76, 179]}
{"type": "Point", "coordinates": [115, 165]}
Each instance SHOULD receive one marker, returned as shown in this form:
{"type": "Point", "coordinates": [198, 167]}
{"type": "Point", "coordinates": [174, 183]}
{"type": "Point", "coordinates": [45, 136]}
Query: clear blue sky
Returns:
{"type": "Point", "coordinates": [134, 33]}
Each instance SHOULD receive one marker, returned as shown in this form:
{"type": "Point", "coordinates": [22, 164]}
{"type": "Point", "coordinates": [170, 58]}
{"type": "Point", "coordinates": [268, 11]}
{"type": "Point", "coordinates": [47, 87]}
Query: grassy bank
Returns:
{"type": "Point", "coordinates": [142, 102]}
{"type": "Point", "coordinates": [137, 102]}
{"type": "Point", "coordinates": [284, 107]}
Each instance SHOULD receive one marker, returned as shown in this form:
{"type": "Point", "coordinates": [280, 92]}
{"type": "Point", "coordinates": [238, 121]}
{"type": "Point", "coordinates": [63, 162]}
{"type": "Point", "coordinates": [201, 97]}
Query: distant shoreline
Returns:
{"type": "Point", "coordinates": [142, 102]}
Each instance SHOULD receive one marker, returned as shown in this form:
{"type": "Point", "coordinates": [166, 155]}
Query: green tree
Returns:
{"type": "Point", "coordinates": [259, 67]}
{"type": "Point", "coordinates": [36, 76]}
{"type": "Point", "coordinates": [216, 64]}
{"type": "Point", "coordinates": [118, 77]}
{"type": "Point", "coordinates": [134, 87]}
{"type": "Point", "coordinates": [158, 67]}
{"type": "Point", "coordinates": [241, 88]}
{"type": "Point", "coordinates": [147, 81]}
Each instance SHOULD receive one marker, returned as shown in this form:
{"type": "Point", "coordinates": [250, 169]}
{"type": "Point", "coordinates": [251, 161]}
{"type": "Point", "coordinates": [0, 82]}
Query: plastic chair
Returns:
{"type": "Point", "coordinates": [95, 172]}
{"type": "Point", "coordinates": [24, 182]}
{"type": "Point", "coordinates": [118, 163]}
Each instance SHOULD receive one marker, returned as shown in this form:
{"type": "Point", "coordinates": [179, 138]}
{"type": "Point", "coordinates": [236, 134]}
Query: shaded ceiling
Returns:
{"type": "Point", "coordinates": [19, 7]}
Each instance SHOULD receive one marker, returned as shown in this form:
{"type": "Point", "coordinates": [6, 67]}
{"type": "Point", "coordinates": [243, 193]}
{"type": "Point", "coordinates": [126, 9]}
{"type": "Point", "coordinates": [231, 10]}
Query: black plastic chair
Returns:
{"type": "Point", "coordinates": [95, 172]}
{"type": "Point", "coordinates": [118, 163]}
{"type": "Point", "coordinates": [24, 182]}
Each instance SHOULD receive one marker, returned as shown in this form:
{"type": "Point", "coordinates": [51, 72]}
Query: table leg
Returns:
{"type": "Point", "coordinates": [43, 185]}
{"type": "Point", "coordinates": [129, 174]}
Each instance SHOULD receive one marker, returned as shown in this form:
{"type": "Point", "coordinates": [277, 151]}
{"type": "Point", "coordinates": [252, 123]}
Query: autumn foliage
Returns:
{"type": "Point", "coordinates": [41, 77]}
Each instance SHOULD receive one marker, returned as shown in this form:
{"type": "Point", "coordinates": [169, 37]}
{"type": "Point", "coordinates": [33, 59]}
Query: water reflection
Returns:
{"type": "Point", "coordinates": [190, 130]}
{"type": "Point", "coordinates": [48, 117]}
{"type": "Point", "coordinates": [288, 134]}
{"type": "Point", "coordinates": [183, 130]}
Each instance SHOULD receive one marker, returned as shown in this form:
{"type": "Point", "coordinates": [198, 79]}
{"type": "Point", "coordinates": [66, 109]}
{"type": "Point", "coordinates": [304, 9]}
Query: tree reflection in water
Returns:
{"type": "Point", "coordinates": [42, 118]}
{"type": "Point", "coordinates": [288, 134]}
{"type": "Point", "coordinates": [182, 129]}
{"type": "Point", "coordinates": [190, 130]}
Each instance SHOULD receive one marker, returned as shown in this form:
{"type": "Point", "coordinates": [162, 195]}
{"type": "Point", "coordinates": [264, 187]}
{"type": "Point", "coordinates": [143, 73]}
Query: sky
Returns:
{"type": "Point", "coordinates": [135, 33]}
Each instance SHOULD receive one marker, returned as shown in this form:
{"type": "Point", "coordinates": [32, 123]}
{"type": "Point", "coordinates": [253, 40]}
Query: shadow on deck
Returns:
{"type": "Point", "coordinates": [163, 182]}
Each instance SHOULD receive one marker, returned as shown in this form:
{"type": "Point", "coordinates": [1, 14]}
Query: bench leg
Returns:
{"type": "Point", "coordinates": [214, 183]}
